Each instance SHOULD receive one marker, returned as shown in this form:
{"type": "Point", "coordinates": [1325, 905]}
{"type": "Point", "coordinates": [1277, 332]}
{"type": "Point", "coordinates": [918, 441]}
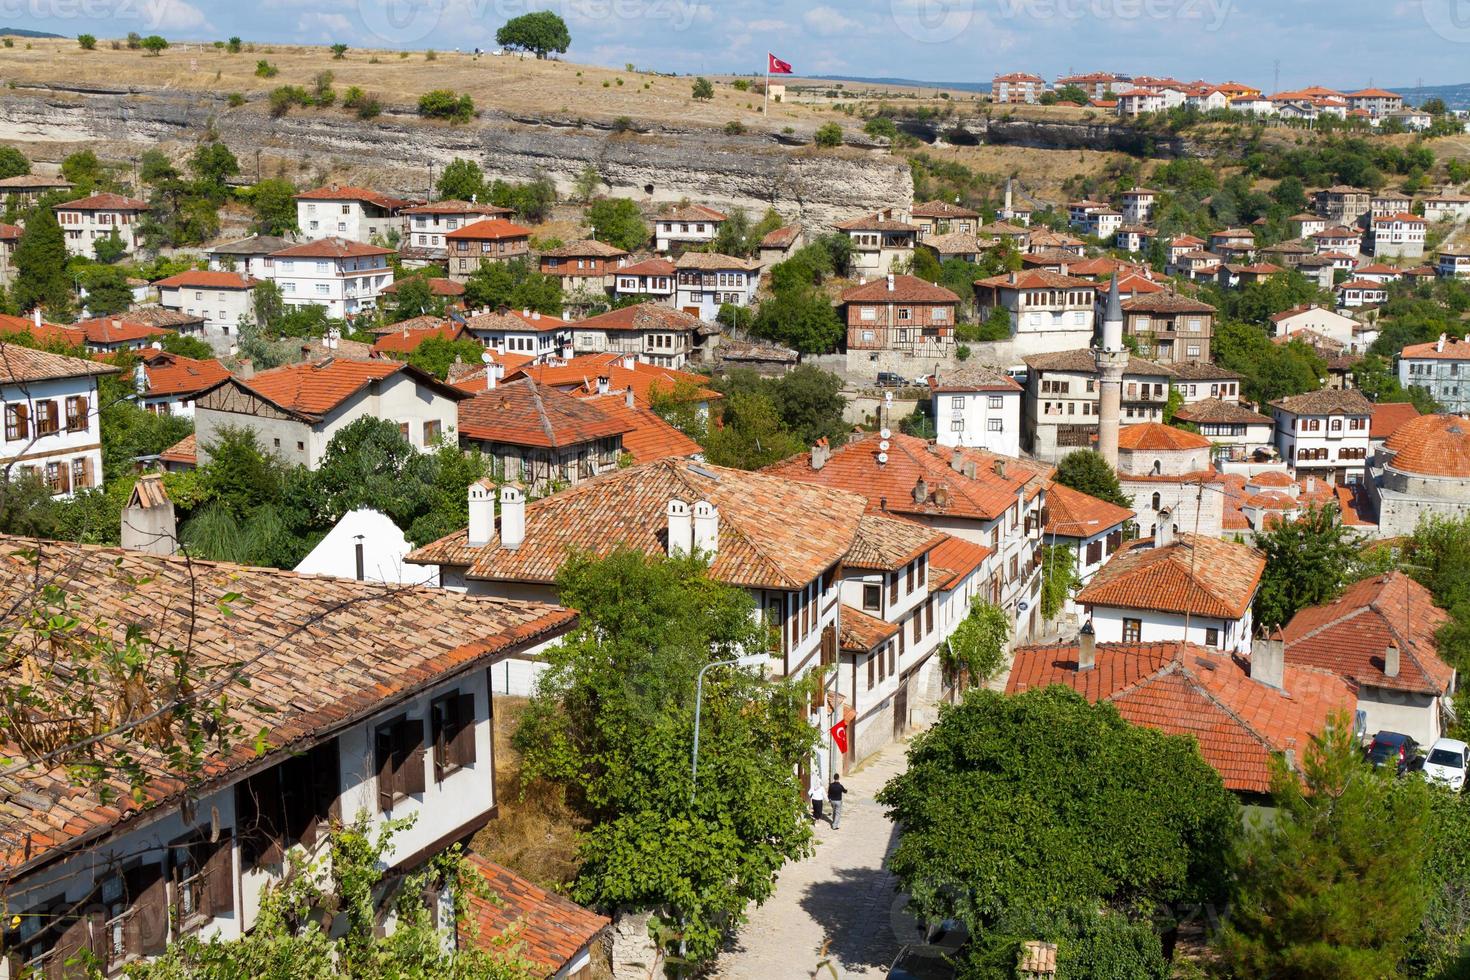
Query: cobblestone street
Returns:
{"type": "Point", "coordinates": [842, 895]}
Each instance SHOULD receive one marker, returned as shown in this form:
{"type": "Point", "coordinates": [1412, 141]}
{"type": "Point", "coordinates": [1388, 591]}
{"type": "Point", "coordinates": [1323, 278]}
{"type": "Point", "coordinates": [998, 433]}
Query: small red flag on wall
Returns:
{"type": "Point", "coordinates": [777, 66]}
{"type": "Point", "coordinates": [839, 736]}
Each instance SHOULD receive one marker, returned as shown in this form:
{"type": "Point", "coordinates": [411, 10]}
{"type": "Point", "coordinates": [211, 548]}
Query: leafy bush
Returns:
{"type": "Point", "coordinates": [881, 126]}
{"type": "Point", "coordinates": [88, 42]}
{"type": "Point", "coordinates": [703, 90]}
{"type": "Point", "coordinates": [233, 45]}
{"type": "Point", "coordinates": [135, 41]}
{"type": "Point", "coordinates": [443, 103]}
{"type": "Point", "coordinates": [286, 96]}
{"type": "Point", "coordinates": [828, 135]}
{"type": "Point", "coordinates": [153, 45]}
{"type": "Point", "coordinates": [264, 69]}
{"type": "Point", "coordinates": [734, 127]}
{"type": "Point", "coordinates": [235, 100]}
{"type": "Point", "coordinates": [740, 85]}
{"type": "Point", "coordinates": [339, 51]}
{"type": "Point", "coordinates": [366, 106]}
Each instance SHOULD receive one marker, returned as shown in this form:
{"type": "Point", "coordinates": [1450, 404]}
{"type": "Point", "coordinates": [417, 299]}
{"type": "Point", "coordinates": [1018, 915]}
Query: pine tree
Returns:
{"type": "Point", "coordinates": [40, 264]}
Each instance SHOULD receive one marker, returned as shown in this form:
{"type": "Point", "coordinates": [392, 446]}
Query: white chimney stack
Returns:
{"type": "Point", "coordinates": [482, 513]}
{"type": "Point", "coordinates": [1391, 661]}
{"type": "Point", "coordinates": [36, 315]}
{"type": "Point", "coordinates": [603, 385]}
{"type": "Point", "coordinates": [890, 282]}
{"type": "Point", "coordinates": [706, 528]}
{"type": "Point", "coordinates": [821, 452]}
{"type": "Point", "coordinates": [1087, 647]}
{"type": "Point", "coordinates": [512, 517]}
{"type": "Point", "coordinates": [1164, 530]}
{"type": "Point", "coordinates": [1268, 661]}
{"type": "Point", "coordinates": [681, 529]}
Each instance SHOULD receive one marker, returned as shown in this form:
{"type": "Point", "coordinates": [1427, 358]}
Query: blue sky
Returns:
{"type": "Point", "coordinates": [1347, 43]}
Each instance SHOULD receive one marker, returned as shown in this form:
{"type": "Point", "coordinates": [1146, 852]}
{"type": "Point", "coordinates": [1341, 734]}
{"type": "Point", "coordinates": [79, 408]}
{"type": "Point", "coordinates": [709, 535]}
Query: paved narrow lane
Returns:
{"type": "Point", "coordinates": [842, 896]}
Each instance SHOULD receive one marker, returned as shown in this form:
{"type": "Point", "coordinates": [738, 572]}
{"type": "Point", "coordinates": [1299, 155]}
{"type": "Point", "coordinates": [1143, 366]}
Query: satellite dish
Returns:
{"type": "Point", "coordinates": [487, 357]}
{"type": "Point", "coordinates": [882, 458]}
{"type": "Point", "coordinates": [156, 345]}
{"type": "Point", "coordinates": [884, 433]}
{"type": "Point", "coordinates": [883, 446]}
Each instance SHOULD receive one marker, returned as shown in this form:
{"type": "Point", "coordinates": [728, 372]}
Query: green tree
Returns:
{"type": "Point", "coordinates": [413, 296]}
{"type": "Point", "coordinates": [828, 135]}
{"type": "Point", "coordinates": [703, 90]}
{"type": "Point", "coordinates": [803, 319]}
{"type": "Point", "coordinates": [267, 307]}
{"type": "Point", "coordinates": [1270, 370]}
{"type": "Point", "coordinates": [612, 722]}
{"type": "Point", "coordinates": [462, 180]}
{"type": "Point", "coordinates": [153, 45]}
{"type": "Point", "coordinates": [234, 45]}
{"type": "Point", "coordinates": [751, 435]}
{"type": "Point", "coordinates": [212, 165]}
{"type": "Point", "coordinates": [618, 222]}
{"type": "Point", "coordinates": [1026, 816]}
{"type": "Point", "coordinates": [108, 291]}
{"type": "Point", "coordinates": [40, 264]}
{"type": "Point", "coordinates": [977, 647]}
{"type": "Point", "coordinates": [87, 42]}
{"type": "Point", "coordinates": [186, 346]}
{"type": "Point", "coordinates": [1059, 578]}
{"type": "Point", "coordinates": [437, 354]}
{"type": "Point", "coordinates": [83, 171]}
{"type": "Point", "coordinates": [586, 184]}
{"type": "Point", "coordinates": [514, 285]}
{"type": "Point", "coordinates": [1073, 93]}
{"type": "Point", "coordinates": [443, 103]}
{"type": "Point", "coordinates": [1309, 561]}
{"type": "Point", "coordinates": [110, 248]}
{"type": "Point", "coordinates": [339, 51]}
{"type": "Point", "coordinates": [273, 200]}
{"type": "Point", "coordinates": [1087, 472]}
{"type": "Point", "coordinates": [128, 431]}
{"type": "Point", "coordinates": [540, 32]}
{"type": "Point", "coordinates": [1333, 886]}
{"type": "Point", "coordinates": [13, 163]}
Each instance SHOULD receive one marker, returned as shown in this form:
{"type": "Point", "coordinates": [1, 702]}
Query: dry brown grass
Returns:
{"type": "Point", "coordinates": [535, 833]}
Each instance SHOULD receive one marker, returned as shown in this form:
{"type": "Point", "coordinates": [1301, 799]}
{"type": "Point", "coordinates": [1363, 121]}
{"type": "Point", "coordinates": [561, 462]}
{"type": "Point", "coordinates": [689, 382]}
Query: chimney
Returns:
{"type": "Point", "coordinates": [1391, 661]}
{"type": "Point", "coordinates": [512, 517]}
{"type": "Point", "coordinates": [36, 316]}
{"type": "Point", "coordinates": [921, 491]}
{"type": "Point", "coordinates": [1268, 661]}
{"type": "Point", "coordinates": [482, 513]}
{"type": "Point", "coordinates": [604, 384]}
{"type": "Point", "coordinates": [630, 362]}
{"type": "Point", "coordinates": [970, 469]}
{"type": "Point", "coordinates": [890, 282]}
{"type": "Point", "coordinates": [245, 369]}
{"type": "Point", "coordinates": [1164, 530]}
{"type": "Point", "coordinates": [706, 528]}
{"type": "Point", "coordinates": [1311, 485]}
{"type": "Point", "coordinates": [1439, 344]}
{"type": "Point", "coordinates": [957, 462]}
{"type": "Point", "coordinates": [1014, 278]}
{"type": "Point", "coordinates": [1000, 468]}
{"type": "Point", "coordinates": [360, 557]}
{"type": "Point", "coordinates": [681, 528]}
{"type": "Point", "coordinates": [526, 313]}
{"type": "Point", "coordinates": [628, 397]}
{"type": "Point", "coordinates": [148, 521]}
{"type": "Point", "coordinates": [821, 452]}
{"type": "Point", "coordinates": [1087, 647]}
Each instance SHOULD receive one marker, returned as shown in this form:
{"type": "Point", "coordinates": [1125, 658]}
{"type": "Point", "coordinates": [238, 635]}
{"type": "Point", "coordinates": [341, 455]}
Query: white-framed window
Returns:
{"type": "Point", "coordinates": [995, 401]}
{"type": "Point", "coordinates": [995, 425]}
{"type": "Point", "coordinates": [957, 402]}
{"type": "Point", "coordinates": [957, 425]}
{"type": "Point", "coordinates": [868, 313]}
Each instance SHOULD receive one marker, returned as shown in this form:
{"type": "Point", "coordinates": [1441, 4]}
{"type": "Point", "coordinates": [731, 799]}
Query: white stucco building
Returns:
{"type": "Point", "coordinates": [977, 407]}
{"type": "Point", "coordinates": [367, 546]}
{"type": "Point", "coordinates": [52, 428]}
{"type": "Point", "coordinates": [1324, 433]}
{"type": "Point", "coordinates": [87, 220]}
{"type": "Point", "coordinates": [220, 298]}
{"type": "Point", "coordinates": [345, 276]}
{"type": "Point", "coordinates": [357, 214]}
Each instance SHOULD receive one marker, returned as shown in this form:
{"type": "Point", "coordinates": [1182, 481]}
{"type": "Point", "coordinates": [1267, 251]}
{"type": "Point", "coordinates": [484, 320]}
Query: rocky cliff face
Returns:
{"type": "Point", "coordinates": [749, 171]}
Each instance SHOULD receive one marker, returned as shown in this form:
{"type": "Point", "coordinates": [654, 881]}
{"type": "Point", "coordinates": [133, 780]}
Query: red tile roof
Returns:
{"type": "Point", "coordinates": [322, 654]}
{"type": "Point", "coordinates": [642, 316]}
{"type": "Point", "coordinates": [522, 413]}
{"type": "Point", "coordinates": [863, 632]}
{"type": "Point", "coordinates": [887, 544]}
{"type": "Point", "coordinates": [648, 436]}
{"type": "Point", "coordinates": [972, 378]}
{"type": "Point", "coordinates": [330, 248]}
{"type": "Point", "coordinates": [334, 192]}
{"type": "Point", "coordinates": [942, 209]}
{"type": "Point", "coordinates": [1155, 436]}
{"type": "Point", "coordinates": [186, 450]}
{"type": "Point", "coordinates": [407, 341]}
{"type": "Point", "coordinates": [540, 926]}
{"type": "Point", "coordinates": [1198, 575]}
{"type": "Point", "coordinates": [953, 560]}
{"type": "Point", "coordinates": [1219, 411]}
{"type": "Point", "coordinates": [583, 247]}
{"type": "Point", "coordinates": [1185, 689]}
{"type": "Point", "coordinates": [1326, 401]}
{"type": "Point", "coordinates": [890, 487]}
{"type": "Point", "coordinates": [457, 207]}
{"type": "Point", "coordinates": [1432, 445]}
{"type": "Point", "coordinates": [20, 365]}
{"type": "Point", "coordinates": [514, 321]}
{"type": "Point", "coordinates": [10, 232]}
{"type": "Point", "coordinates": [103, 202]}
{"type": "Point", "coordinates": [207, 279]}
{"type": "Point", "coordinates": [1074, 514]}
{"type": "Point", "coordinates": [174, 374]}
{"type": "Point", "coordinates": [1388, 416]}
{"type": "Point", "coordinates": [312, 390]}
{"type": "Point", "coordinates": [579, 376]}
{"type": "Point", "coordinates": [691, 212]}
{"type": "Point", "coordinates": [1455, 349]}
{"type": "Point", "coordinates": [1035, 279]}
{"type": "Point", "coordinates": [773, 533]}
{"type": "Point", "coordinates": [906, 289]}
{"type": "Point", "coordinates": [1349, 636]}
{"type": "Point", "coordinates": [116, 330]}
{"type": "Point", "coordinates": [782, 237]}
{"type": "Point", "coordinates": [489, 230]}
{"type": "Point", "coordinates": [438, 286]}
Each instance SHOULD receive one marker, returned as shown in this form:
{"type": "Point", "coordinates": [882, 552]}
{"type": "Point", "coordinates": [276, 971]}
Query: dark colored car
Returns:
{"type": "Point", "coordinates": [1396, 749]}
{"type": "Point", "coordinates": [890, 379]}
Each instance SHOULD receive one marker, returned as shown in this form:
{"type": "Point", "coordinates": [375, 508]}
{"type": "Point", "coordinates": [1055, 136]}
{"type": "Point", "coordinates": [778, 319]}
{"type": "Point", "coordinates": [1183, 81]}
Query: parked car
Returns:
{"type": "Point", "coordinates": [922, 381]}
{"type": "Point", "coordinates": [890, 379]}
{"type": "Point", "coordinates": [1393, 748]}
{"type": "Point", "coordinates": [1446, 763]}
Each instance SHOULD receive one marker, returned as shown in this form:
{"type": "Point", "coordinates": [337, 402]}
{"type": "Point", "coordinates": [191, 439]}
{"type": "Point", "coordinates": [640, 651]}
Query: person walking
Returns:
{"type": "Point", "coordinates": [835, 791]}
{"type": "Point", "coordinates": [816, 794]}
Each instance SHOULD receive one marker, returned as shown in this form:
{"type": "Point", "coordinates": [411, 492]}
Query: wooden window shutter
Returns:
{"type": "Point", "coordinates": [462, 746]}
{"type": "Point", "coordinates": [76, 935]}
{"type": "Point", "coordinates": [146, 932]}
{"type": "Point", "coordinates": [219, 875]}
{"type": "Point", "coordinates": [411, 754]}
{"type": "Point", "coordinates": [385, 748]}
{"type": "Point", "coordinates": [326, 790]}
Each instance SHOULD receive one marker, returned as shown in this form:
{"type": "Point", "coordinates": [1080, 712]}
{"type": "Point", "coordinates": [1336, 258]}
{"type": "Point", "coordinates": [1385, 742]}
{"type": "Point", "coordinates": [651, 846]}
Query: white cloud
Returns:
{"type": "Point", "coordinates": [829, 22]}
{"type": "Point", "coordinates": [173, 15]}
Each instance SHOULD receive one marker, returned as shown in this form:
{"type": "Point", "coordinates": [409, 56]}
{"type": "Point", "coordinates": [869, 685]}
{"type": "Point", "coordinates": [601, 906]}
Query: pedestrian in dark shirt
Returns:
{"type": "Point", "coordinates": [835, 790]}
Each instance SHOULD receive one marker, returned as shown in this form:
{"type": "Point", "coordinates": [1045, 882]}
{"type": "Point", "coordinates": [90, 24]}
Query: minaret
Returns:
{"type": "Point", "coordinates": [1111, 358]}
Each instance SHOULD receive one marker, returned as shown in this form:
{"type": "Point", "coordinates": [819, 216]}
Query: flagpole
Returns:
{"type": "Point", "coordinates": [766, 108]}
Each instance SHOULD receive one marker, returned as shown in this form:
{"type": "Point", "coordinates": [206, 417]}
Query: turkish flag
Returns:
{"type": "Point", "coordinates": [839, 736]}
{"type": "Point", "coordinates": [776, 66]}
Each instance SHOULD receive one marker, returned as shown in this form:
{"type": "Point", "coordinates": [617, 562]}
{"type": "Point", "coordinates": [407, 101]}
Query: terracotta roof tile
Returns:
{"type": "Point", "coordinates": [321, 654]}
{"type": "Point", "coordinates": [458, 207]}
{"type": "Point", "coordinates": [186, 450]}
{"type": "Point", "coordinates": [862, 632]}
{"type": "Point", "coordinates": [692, 212]}
{"type": "Point", "coordinates": [1455, 349]}
{"type": "Point", "coordinates": [782, 237]}
{"type": "Point", "coordinates": [1388, 416]}
{"type": "Point", "coordinates": [330, 248]}
{"type": "Point", "coordinates": [522, 413]}
{"type": "Point", "coordinates": [335, 192]}
{"type": "Point", "coordinates": [714, 262]}
{"type": "Point", "coordinates": [542, 927]}
{"type": "Point", "coordinates": [1432, 445]}
{"type": "Point", "coordinates": [314, 389]}
{"type": "Point", "coordinates": [888, 544]}
{"type": "Point", "coordinates": [103, 202]}
{"type": "Point", "coordinates": [972, 377]}
{"type": "Point", "coordinates": [1219, 411]}
{"type": "Point", "coordinates": [407, 340]}
{"type": "Point", "coordinates": [1083, 360]}
{"type": "Point", "coordinates": [174, 374]}
{"type": "Point", "coordinates": [489, 230]}
{"type": "Point", "coordinates": [1074, 514]}
{"type": "Point", "coordinates": [942, 209]}
{"type": "Point", "coordinates": [906, 289]}
{"type": "Point", "coordinates": [205, 279]}
{"type": "Point", "coordinates": [1326, 401]}
{"type": "Point", "coordinates": [117, 330]}
{"type": "Point", "coordinates": [579, 376]}
{"type": "Point", "coordinates": [1165, 303]}
{"type": "Point", "coordinates": [648, 436]}
{"type": "Point", "coordinates": [438, 286]}
{"type": "Point", "coordinates": [1183, 689]}
{"type": "Point", "coordinates": [1197, 575]}
{"type": "Point", "coordinates": [1035, 279]}
{"type": "Point", "coordinates": [642, 316]}
{"type": "Point", "coordinates": [957, 243]}
{"type": "Point", "coordinates": [1157, 436]}
{"type": "Point", "coordinates": [21, 365]}
{"type": "Point", "coordinates": [583, 247]}
{"type": "Point", "coordinates": [1349, 636]}
{"type": "Point", "coordinates": [812, 529]}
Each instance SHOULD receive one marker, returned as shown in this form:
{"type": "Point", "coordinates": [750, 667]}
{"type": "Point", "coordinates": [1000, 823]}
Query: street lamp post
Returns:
{"type": "Point", "coordinates": [749, 660]}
